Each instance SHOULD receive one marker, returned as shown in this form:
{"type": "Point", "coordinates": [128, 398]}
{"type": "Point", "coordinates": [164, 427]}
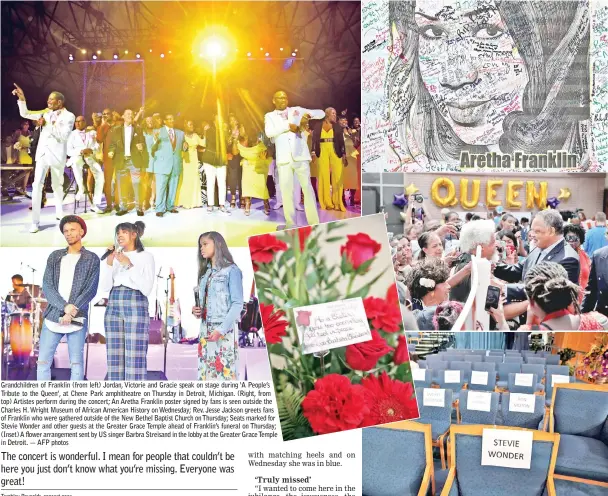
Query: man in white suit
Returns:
{"type": "Point", "coordinates": [282, 126]}
{"type": "Point", "coordinates": [81, 148]}
{"type": "Point", "coordinates": [52, 149]}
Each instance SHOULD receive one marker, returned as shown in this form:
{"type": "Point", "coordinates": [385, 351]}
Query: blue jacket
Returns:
{"type": "Point", "coordinates": [166, 158]}
{"type": "Point", "coordinates": [225, 300]}
{"type": "Point", "coordinates": [596, 294]}
{"type": "Point", "coordinates": [84, 285]}
{"type": "Point", "coordinates": [595, 238]}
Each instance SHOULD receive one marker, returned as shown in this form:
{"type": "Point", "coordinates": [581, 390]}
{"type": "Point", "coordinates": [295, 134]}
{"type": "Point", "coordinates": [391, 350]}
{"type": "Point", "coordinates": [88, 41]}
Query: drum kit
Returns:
{"type": "Point", "coordinates": [21, 326]}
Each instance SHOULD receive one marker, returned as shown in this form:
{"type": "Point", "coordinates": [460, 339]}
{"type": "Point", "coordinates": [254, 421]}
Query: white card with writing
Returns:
{"type": "Point", "coordinates": [506, 448]}
{"type": "Point", "coordinates": [433, 397]}
{"type": "Point", "coordinates": [451, 376]}
{"type": "Point", "coordinates": [480, 401]}
{"type": "Point", "coordinates": [479, 377]}
{"type": "Point", "coordinates": [331, 325]}
{"type": "Point", "coordinates": [523, 403]}
{"type": "Point", "coordinates": [524, 379]}
{"type": "Point", "coordinates": [419, 374]}
{"type": "Point", "coordinates": [559, 379]}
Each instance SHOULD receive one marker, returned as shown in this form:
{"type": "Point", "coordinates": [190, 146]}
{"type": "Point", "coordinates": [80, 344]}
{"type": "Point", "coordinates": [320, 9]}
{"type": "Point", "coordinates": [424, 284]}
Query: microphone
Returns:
{"type": "Point", "coordinates": [159, 271]}
{"type": "Point", "coordinates": [197, 299]}
{"type": "Point", "coordinates": [108, 253]}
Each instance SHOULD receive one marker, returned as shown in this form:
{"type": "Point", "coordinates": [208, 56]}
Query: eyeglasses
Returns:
{"type": "Point", "coordinates": [572, 238]}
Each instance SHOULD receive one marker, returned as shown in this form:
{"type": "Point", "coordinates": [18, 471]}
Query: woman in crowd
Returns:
{"type": "Point", "coordinates": [190, 191]}
{"type": "Point", "coordinates": [148, 130]}
{"type": "Point", "coordinates": [219, 308]}
{"type": "Point", "coordinates": [351, 176]}
{"type": "Point", "coordinates": [508, 246]}
{"type": "Point", "coordinates": [128, 274]}
{"type": "Point", "coordinates": [22, 140]}
{"type": "Point", "coordinates": [575, 236]}
{"type": "Point", "coordinates": [427, 283]}
{"type": "Point", "coordinates": [553, 299]}
{"type": "Point", "coordinates": [430, 245]}
{"type": "Point", "coordinates": [255, 164]}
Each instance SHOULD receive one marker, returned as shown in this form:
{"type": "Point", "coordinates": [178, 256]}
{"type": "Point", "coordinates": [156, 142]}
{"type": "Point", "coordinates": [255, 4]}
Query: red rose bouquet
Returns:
{"type": "Point", "coordinates": [348, 387]}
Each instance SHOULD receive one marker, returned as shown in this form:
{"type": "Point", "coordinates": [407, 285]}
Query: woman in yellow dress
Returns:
{"type": "Point", "coordinates": [351, 177]}
{"type": "Point", "coordinates": [328, 146]}
{"type": "Point", "coordinates": [255, 163]}
{"type": "Point", "coordinates": [22, 143]}
{"type": "Point", "coordinates": [190, 191]}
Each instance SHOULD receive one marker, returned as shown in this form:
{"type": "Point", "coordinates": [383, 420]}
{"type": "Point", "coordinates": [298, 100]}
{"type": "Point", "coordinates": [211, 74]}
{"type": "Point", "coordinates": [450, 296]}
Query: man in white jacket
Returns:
{"type": "Point", "coordinates": [282, 126]}
{"type": "Point", "coordinates": [52, 149]}
{"type": "Point", "coordinates": [81, 148]}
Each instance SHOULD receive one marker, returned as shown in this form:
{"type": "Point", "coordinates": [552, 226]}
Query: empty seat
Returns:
{"type": "Point", "coordinates": [513, 416]}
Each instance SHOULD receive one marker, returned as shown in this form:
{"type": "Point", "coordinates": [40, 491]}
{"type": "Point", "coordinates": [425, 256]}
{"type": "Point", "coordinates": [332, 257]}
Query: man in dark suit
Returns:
{"type": "Point", "coordinates": [596, 297]}
{"type": "Point", "coordinates": [129, 156]}
{"type": "Point", "coordinates": [548, 228]}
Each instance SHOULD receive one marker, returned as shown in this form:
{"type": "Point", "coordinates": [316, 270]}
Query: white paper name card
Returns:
{"type": "Point", "coordinates": [419, 374]}
{"type": "Point", "coordinates": [451, 376]}
{"type": "Point", "coordinates": [480, 401]}
{"type": "Point", "coordinates": [524, 379]}
{"type": "Point", "coordinates": [479, 377]}
{"type": "Point", "coordinates": [331, 325]}
{"type": "Point", "coordinates": [506, 448]}
{"type": "Point", "coordinates": [523, 403]}
{"type": "Point", "coordinates": [433, 397]}
{"type": "Point", "coordinates": [559, 379]}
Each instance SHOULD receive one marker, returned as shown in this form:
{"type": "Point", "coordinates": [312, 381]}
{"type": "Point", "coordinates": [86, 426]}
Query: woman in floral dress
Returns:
{"type": "Point", "coordinates": [219, 308]}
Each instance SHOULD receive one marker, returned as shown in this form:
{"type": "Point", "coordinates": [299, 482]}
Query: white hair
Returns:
{"type": "Point", "coordinates": [477, 232]}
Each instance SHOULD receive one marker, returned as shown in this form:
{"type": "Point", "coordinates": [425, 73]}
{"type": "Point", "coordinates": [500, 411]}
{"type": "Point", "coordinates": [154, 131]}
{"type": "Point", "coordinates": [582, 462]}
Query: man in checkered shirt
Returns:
{"type": "Point", "coordinates": [70, 283]}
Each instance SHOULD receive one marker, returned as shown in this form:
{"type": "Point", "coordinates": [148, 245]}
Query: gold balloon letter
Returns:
{"type": "Point", "coordinates": [450, 198]}
{"type": "Point", "coordinates": [513, 193]}
{"type": "Point", "coordinates": [491, 194]}
{"type": "Point", "coordinates": [532, 196]}
{"type": "Point", "coordinates": [464, 193]}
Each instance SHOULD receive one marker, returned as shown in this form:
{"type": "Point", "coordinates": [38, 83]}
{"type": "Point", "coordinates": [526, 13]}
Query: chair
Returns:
{"type": "Point", "coordinates": [493, 359]}
{"type": "Point", "coordinates": [456, 388]}
{"type": "Point", "coordinates": [513, 359]}
{"type": "Point", "coordinates": [440, 419]}
{"type": "Point", "coordinates": [465, 367]}
{"type": "Point", "coordinates": [422, 382]}
{"type": "Point", "coordinates": [438, 369]}
{"type": "Point", "coordinates": [475, 416]}
{"type": "Point", "coordinates": [474, 358]}
{"type": "Point", "coordinates": [566, 486]}
{"type": "Point", "coordinates": [539, 370]}
{"type": "Point", "coordinates": [455, 357]}
{"type": "Point", "coordinates": [515, 388]}
{"type": "Point", "coordinates": [556, 370]}
{"type": "Point", "coordinates": [579, 413]}
{"type": "Point", "coordinates": [504, 369]}
{"type": "Point", "coordinates": [553, 359]}
{"type": "Point", "coordinates": [496, 350]}
{"type": "Point", "coordinates": [536, 360]}
{"type": "Point", "coordinates": [386, 453]}
{"type": "Point", "coordinates": [423, 364]}
{"type": "Point", "coordinates": [482, 380]}
{"type": "Point", "coordinates": [523, 419]}
{"type": "Point", "coordinates": [487, 366]}
{"type": "Point", "coordinates": [434, 358]}
{"type": "Point", "coordinates": [467, 477]}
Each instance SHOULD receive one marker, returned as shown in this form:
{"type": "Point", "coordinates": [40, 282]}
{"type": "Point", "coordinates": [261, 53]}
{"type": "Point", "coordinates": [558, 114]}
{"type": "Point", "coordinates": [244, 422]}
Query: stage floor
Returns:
{"type": "Point", "coordinates": [181, 229]}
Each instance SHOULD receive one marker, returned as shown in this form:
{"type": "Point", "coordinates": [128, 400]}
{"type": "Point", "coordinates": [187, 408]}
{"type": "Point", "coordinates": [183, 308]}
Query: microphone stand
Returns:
{"type": "Point", "coordinates": [35, 312]}
{"type": "Point", "coordinates": [158, 311]}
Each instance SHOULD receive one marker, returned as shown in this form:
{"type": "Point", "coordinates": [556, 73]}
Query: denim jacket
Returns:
{"type": "Point", "coordinates": [84, 285]}
{"type": "Point", "coordinates": [225, 300]}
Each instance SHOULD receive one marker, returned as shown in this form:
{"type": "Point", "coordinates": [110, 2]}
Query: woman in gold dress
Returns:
{"type": "Point", "coordinates": [255, 163]}
{"type": "Point", "coordinates": [190, 191]}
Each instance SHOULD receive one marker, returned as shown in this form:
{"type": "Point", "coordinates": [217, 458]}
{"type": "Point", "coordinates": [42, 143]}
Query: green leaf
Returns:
{"type": "Point", "coordinates": [291, 304]}
{"type": "Point", "coordinates": [335, 367]}
{"type": "Point", "coordinates": [332, 226]}
{"type": "Point", "coordinates": [404, 372]}
{"type": "Point", "coordinates": [333, 239]}
{"type": "Point", "coordinates": [289, 405]}
{"type": "Point", "coordinates": [362, 292]}
{"type": "Point", "coordinates": [312, 280]}
{"type": "Point", "coordinates": [363, 268]}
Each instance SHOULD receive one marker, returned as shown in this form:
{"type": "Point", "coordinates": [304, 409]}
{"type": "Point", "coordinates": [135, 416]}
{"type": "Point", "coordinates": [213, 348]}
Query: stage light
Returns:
{"type": "Point", "coordinates": [162, 55]}
{"type": "Point", "coordinates": [94, 57]}
{"type": "Point", "coordinates": [83, 51]}
{"type": "Point", "coordinates": [150, 50]}
{"type": "Point", "coordinates": [261, 48]}
{"type": "Point", "coordinates": [293, 54]}
{"type": "Point", "coordinates": [213, 49]}
{"type": "Point", "coordinates": [248, 54]}
{"type": "Point", "coordinates": [126, 52]}
{"type": "Point", "coordinates": [296, 50]}
{"type": "Point", "coordinates": [98, 52]}
{"type": "Point", "coordinates": [169, 52]}
{"type": "Point", "coordinates": [115, 56]}
{"type": "Point", "coordinates": [138, 55]}
{"type": "Point", "coordinates": [71, 58]}
{"type": "Point", "coordinates": [281, 49]}
{"type": "Point", "coordinates": [267, 54]}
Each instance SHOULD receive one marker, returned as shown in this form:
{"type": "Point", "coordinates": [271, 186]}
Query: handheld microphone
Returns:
{"type": "Point", "coordinates": [197, 299]}
{"type": "Point", "coordinates": [108, 253]}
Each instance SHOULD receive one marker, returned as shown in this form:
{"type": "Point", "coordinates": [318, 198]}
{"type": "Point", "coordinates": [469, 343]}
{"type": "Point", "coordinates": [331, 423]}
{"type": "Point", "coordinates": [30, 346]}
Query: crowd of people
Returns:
{"type": "Point", "coordinates": [550, 271]}
{"type": "Point", "coordinates": [133, 162]}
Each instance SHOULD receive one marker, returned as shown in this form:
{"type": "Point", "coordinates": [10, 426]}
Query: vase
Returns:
{"type": "Point", "coordinates": [601, 380]}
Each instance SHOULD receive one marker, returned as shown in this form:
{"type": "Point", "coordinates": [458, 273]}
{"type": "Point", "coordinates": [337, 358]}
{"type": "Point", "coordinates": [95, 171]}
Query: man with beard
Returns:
{"type": "Point", "coordinates": [52, 149]}
{"type": "Point", "coordinates": [70, 283]}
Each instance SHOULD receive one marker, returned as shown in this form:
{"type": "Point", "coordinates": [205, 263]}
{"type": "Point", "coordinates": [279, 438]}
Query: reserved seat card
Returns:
{"type": "Point", "coordinates": [559, 379]}
{"type": "Point", "coordinates": [418, 374]}
{"type": "Point", "coordinates": [433, 397]}
{"type": "Point", "coordinates": [507, 448]}
{"type": "Point", "coordinates": [479, 377]}
{"type": "Point", "coordinates": [480, 401]}
{"type": "Point", "coordinates": [524, 380]}
{"type": "Point", "coordinates": [523, 403]}
{"type": "Point", "coordinates": [331, 325]}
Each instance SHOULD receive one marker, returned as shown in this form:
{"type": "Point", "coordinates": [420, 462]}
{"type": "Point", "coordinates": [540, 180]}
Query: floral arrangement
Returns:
{"type": "Point", "coordinates": [353, 386]}
{"type": "Point", "coordinates": [595, 363]}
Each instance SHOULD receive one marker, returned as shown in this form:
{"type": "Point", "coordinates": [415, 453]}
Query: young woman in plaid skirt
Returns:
{"type": "Point", "coordinates": [128, 273]}
{"type": "Point", "coordinates": [221, 304]}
